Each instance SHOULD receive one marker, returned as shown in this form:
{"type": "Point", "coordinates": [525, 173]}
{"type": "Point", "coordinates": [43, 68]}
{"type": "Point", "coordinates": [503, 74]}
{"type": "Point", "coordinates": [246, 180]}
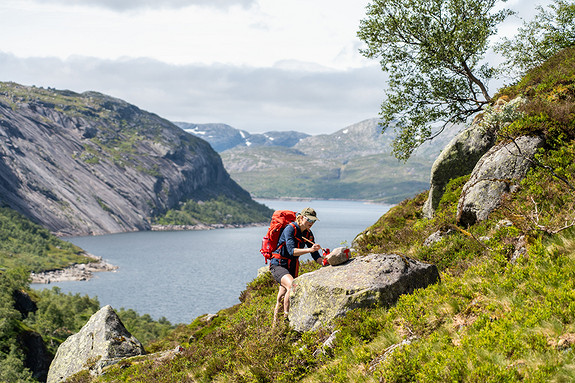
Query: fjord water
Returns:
{"type": "Point", "coordinates": [183, 274]}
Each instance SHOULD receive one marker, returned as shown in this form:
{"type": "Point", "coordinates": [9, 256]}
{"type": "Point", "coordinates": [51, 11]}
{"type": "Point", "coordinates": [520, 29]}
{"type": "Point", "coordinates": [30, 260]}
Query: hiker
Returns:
{"type": "Point", "coordinates": [284, 265]}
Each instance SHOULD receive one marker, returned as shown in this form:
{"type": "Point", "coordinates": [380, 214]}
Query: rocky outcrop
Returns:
{"type": "Point", "coordinates": [457, 159]}
{"type": "Point", "coordinates": [37, 357]}
{"type": "Point", "coordinates": [461, 155]}
{"type": "Point", "coordinates": [82, 164]}
{"type": "Point", "coordinates": [499, 171]}
{"type": "Point", "coordinates": [102, 341]}
{"type": "Point", "coordinates": [377, 279]}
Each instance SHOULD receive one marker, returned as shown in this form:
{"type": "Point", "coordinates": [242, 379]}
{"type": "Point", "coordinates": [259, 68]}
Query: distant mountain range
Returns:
{"type": "Point", "coordinates": [353, 163]}
{"type": "Point", "coordinates": [223, 137]}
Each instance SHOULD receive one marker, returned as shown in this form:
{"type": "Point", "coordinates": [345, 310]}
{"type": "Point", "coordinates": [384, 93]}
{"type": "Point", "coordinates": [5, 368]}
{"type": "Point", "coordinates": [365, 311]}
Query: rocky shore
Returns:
{"type": "Point", "coordinates": [76, 272]}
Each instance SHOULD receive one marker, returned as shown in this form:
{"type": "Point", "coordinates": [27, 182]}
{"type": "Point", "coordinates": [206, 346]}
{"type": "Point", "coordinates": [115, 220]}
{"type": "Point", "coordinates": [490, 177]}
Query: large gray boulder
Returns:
{"type": "Point", "coordinates": [498, 172]}
{"type": "Point", "coordinates": [457, 159]}
{"type": "Point", "coordinates": [376, 279]}
{"type": "Point", "coordinates": [461, 155]}
{"type": "Point", "coordinates": [101, 342]}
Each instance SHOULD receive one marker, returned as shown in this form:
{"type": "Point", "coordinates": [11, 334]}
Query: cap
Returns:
{"type": "Point", "coordinates": [310, 214]}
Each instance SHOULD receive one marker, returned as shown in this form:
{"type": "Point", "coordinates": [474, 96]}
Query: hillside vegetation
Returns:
{"type": "Point", "coordinates": [52, 315]}
{"type": "Point", "coordinates": [27, 247]}
{"type": "Point", "coordinates": [24, 244]}
{"type": "Point", "coordinates": [503, 312]}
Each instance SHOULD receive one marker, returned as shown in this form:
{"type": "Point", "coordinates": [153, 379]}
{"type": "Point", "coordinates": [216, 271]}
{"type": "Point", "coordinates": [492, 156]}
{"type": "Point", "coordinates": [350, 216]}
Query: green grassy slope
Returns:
{"type": "Point", "coordinates": [503, 312]}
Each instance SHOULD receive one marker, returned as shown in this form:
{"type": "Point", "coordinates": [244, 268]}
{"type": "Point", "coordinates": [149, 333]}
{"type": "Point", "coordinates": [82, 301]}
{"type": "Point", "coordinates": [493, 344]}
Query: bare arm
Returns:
{"type": "Point", "coordinates": [299, 252]}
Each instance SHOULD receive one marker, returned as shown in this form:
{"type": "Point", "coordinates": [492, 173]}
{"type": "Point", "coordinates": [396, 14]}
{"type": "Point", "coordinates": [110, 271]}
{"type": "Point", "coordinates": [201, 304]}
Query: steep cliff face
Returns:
{"type": "Point", "coordinates": [87, 163]}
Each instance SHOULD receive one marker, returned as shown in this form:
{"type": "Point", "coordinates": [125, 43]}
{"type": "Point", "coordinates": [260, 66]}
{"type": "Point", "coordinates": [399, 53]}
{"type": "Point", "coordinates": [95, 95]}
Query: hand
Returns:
{"type": "Point", "coordinates": [315, 247]}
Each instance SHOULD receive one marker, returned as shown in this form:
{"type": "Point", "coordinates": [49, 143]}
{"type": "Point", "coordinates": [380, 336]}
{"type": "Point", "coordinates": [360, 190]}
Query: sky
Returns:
{"type": "Point", "coordinates": [257, 65]}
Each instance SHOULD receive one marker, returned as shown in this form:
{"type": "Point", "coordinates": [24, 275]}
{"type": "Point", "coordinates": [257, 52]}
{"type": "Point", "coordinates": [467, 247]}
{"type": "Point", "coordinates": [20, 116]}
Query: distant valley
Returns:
{"type": "Point", "coordinates": [353, 163]}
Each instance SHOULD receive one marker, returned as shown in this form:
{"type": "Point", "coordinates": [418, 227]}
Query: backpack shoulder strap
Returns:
{"type": "Point", "coordinates": [294, 226]}
{"type": "Point", "coordinates": [282, 244]}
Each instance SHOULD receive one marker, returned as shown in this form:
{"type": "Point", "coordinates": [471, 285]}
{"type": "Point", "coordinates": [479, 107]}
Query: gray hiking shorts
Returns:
{"type": "Point", "coordinates": [278, 272]}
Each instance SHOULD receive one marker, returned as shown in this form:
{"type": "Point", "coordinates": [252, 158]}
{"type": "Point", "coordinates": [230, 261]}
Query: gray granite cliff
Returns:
{"type": "Point", "coordinates": [83, 164]}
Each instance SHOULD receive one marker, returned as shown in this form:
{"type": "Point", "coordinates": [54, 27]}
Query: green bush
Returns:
{"type": "Point", "coordinates": [11, 356]}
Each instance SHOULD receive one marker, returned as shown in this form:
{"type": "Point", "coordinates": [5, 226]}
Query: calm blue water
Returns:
{"type": "Point", "coordinates": [183, 274]}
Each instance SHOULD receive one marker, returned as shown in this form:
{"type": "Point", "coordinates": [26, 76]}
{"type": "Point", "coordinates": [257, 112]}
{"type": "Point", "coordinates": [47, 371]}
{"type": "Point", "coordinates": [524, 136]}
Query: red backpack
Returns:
{"type": "Point", "coordinates": [280, 219]}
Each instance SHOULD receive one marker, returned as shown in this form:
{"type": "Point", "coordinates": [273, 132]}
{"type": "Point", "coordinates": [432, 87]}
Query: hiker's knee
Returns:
{"type": "Point", "coordinates": [287, 281]}
{"type": "Point", "coordinates": [281, 293]}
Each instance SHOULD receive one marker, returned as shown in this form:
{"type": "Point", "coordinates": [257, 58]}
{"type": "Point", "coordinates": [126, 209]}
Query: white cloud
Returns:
{"type": "Point", "coordinates": [249, 98]}
{"type": "Point", "coordinates": [260, 35]}
{"type": "Point", "coordinates": [128, 5]}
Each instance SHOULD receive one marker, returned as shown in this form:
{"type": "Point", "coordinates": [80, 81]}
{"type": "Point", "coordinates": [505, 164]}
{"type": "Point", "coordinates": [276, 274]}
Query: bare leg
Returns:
{"type": "Point", "coordinates": [287, 281]}
{"type": "Point", "coordinates": [279, 303]}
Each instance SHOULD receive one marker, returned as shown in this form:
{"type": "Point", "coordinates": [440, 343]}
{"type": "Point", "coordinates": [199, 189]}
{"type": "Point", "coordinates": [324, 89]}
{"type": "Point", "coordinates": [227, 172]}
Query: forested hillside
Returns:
{"type": "Point", "coordinates": [33, 322]}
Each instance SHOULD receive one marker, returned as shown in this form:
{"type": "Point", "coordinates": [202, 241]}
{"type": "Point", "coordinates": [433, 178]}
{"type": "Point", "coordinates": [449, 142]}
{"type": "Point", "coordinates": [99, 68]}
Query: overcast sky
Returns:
{"type": "Point", "coordinates": [257, 65]}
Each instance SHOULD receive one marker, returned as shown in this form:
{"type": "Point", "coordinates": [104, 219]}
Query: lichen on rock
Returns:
{"type": "Point", "coordinates": [499, 171]}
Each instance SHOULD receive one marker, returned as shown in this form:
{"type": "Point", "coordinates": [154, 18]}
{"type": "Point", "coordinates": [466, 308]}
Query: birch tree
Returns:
{"type": "Point", "coordinates": [432, 51]}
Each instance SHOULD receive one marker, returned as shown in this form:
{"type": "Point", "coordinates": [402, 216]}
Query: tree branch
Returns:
{"type": "Point", "coordinates": [475, 80]}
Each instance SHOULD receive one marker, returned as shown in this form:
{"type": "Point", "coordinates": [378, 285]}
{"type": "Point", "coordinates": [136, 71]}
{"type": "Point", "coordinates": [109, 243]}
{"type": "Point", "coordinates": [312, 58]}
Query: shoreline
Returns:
{"type": "Point", "coordinates": [203, 226]}
{"type": "Point", "coordinates": [75, 272]}
{"type": "Point", "coordinates": [309, 199]}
